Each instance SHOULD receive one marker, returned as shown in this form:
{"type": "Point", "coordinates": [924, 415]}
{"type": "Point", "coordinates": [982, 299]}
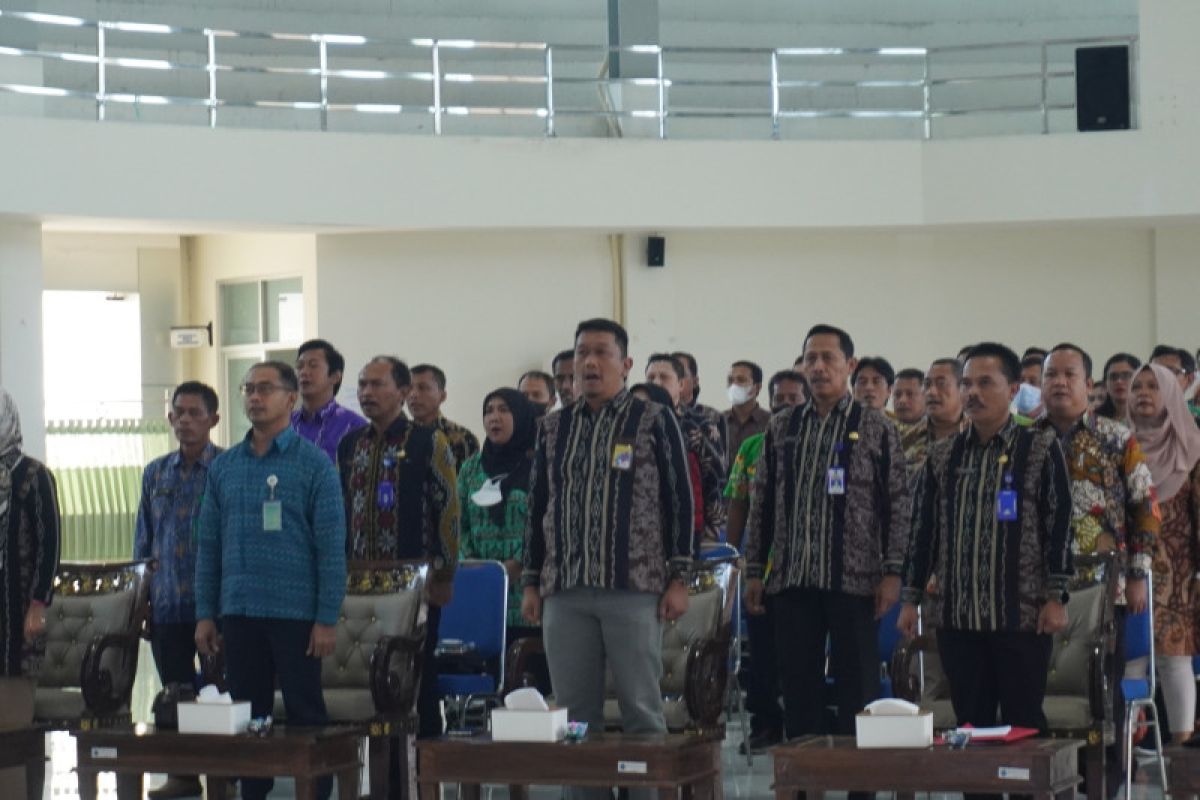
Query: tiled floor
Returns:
{"type": "Point", "coordinates": [740, 779]}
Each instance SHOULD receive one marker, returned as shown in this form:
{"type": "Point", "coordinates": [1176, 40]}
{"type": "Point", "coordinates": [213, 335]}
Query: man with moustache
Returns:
{"type": "Point", "coordinates": [831, 507]}
{"type": "Point", "coordinates": [400, 489]}
{"type": "Point", "coordinates": [991, 519]}
{"type": "Point", "coordinates": [563, 369]}
{"type": "Point", "coordinates": [943, 412]}
{"type": "Point", "coordinates": [908, 402]}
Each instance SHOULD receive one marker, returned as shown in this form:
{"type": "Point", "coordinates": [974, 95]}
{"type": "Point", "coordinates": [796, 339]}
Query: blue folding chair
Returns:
{"type": "Point", "coordinates": [888, 638]}
{"type": "Point", "coordinates": [1139, 692]}
{"type": "Point", "coordinates": [470, 650]}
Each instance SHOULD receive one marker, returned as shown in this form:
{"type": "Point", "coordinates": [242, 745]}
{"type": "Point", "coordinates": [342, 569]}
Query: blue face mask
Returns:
{"type": "Point", "coordinates": [1028, 398]}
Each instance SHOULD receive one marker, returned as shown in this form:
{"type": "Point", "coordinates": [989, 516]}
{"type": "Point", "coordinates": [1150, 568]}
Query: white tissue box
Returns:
{"type": "Point", "coordinates": [894, 730]}
{"type": "Point", "coordinates": [529, 725]}
{"type": "Point", "coordinates": [226, 718]}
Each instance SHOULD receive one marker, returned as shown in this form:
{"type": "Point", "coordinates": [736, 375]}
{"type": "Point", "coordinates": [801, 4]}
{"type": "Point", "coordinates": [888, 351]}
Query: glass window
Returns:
{"type": "Point", "coordinates": [235, 412]}
{"type": "Point", "coordinates": [283, 307]}
{"type": "Point", "coordinates": [239, 314]}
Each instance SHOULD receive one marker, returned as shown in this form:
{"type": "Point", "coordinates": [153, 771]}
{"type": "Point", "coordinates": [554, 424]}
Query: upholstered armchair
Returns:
{"type": "Point", "coordinates": [92, 633]}
{"type": "Point", "coordinates": [1078, 699]}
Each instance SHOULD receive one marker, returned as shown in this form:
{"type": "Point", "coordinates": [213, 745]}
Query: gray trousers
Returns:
{"type": "Point", "coordinates": [586, 629]}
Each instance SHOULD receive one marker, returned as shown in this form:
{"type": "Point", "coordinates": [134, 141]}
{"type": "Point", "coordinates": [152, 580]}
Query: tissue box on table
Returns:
{"type": "Point", "coordinates": [894, 723]}
{"type": "Point", "coordinates": [214, 712]}
{"type": "Point", "coordinates": [527, 718]}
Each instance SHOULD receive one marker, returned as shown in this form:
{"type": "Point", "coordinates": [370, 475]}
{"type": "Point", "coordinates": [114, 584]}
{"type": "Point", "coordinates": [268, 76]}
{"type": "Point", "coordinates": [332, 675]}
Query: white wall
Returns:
{"type": "Point", "coordinates": [21, 283]}
{"type": "Point", "coordinates": [485, 307]}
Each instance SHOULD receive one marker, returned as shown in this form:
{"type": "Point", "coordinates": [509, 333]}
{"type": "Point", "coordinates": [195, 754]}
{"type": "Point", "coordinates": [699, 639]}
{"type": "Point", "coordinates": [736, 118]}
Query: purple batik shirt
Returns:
{"type": "Point", "coordinates": [327, 427]}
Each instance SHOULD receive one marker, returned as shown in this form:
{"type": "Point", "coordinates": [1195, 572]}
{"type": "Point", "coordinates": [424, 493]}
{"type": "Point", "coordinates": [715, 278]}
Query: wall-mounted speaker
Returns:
{"type": "Point", "coordinates": [1102, 88]}
{"type": "Point", "coordinates": [656, 251]}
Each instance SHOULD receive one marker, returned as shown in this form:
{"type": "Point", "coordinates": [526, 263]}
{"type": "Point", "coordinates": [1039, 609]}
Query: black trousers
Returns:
{"type": "Point", "coordinates": [803, 620]}
{"type": "Point", "coordinates": [174, 648]}
{"type": "Point", "coordinates": [760, 674]}
{"type": "Point", "coordinates": [259, 652]}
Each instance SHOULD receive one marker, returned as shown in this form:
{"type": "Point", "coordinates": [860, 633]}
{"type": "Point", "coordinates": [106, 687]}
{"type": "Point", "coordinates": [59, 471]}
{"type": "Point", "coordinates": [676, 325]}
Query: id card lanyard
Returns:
{"type": "Point", "coordinates": [272, 510]}
{"type": "Point", "coordinates": [835, 479]}
{"type": "Point", "coordinates": [1006, 499]}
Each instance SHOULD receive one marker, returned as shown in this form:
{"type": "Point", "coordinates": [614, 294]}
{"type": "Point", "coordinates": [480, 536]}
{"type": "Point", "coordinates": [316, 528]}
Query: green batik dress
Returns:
{"type": "Point", "coordinates": [481, 537]}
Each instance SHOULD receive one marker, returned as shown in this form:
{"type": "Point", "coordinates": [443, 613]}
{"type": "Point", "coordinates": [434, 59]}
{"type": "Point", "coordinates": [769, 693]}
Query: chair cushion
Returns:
{"type": "Point", "coordinates": [1067, 711]}
{"type": "Point", "coordinates": [71, 624]}
{"type": "Point", "coordinates": [1135, 688]}
{"type": "Point", "coordinates": [364, 620]}
{"type": "Point", "coordinates": [1071, 653]}
{"type": "Point", "coordinates": [57, 703]}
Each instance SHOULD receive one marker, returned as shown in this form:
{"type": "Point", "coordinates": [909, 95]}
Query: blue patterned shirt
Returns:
{"type": "Point", "coordinates": [298, 572]}
{"type": "Point", "coordinates": [166, 532]}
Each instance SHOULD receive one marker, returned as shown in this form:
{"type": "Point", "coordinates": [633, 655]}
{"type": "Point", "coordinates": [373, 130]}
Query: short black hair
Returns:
{"type": "Point", "coordinates": [964, 351]}
{"type": "Point", "coordinates": [1010, 365]}
{"type": "Point", "coordinates": [756, 373]}
{"type": "Point", "coordinates": [877, 363]}
{"type": "Point", "coordinates": [687, 358]}
{"type": "Point", "coordinates": [439, 377]}
{"type": "Point", "coordinates": [953, 363]}
{"type": "Point", "coordinates": [287, 375]}
{"type": "Point", "coordinates": [910, 374]}
{"type": "Point", "coordinates": [1163, 350]}
{"type": "Point", "coordinates": [657, 393]}
{"type": "Point", "coordinates": [1033, 361]}
{"type": "Point", "coordinates": [335, 360]}
{"type": "Point", "coordinates": [401, 375]}
{"type": "Point", "coordinates": [675, 363]}
{"type": "Point", "coordinates": [601, 325]}
{"type": "Point", "coordinates": [844, 340]}
{"type": "Point", "coordinates": [1187, 360]}
{"type": "Point", "coordinates": [787, 375]}
{"type": "Point", "coordinates": [1074, 348]}
{"type": "Point", "coordinates": [562, 355]}
{"type": "Point", "coordinates": [544, 377]}
{"type": "Point", "coordinates": [1037, 352]}
{"type": "Point", "coordinates": [1117, 358]}
{"type": "Point", "coordinates": [206, 393]}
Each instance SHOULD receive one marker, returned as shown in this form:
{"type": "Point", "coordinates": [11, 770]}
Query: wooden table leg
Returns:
{"type": "Point", "coordinates": [518, 791]}
{"type": "Point", "coordinates": [129, 785]}
{"type": "Point", "coordinates": [347, 781]}
{"type": "Point", "coordinates": [469, 791]}
{"type": "Point", "coordinates": [665, 793]}
{"type": "Point", "coordinates": [306, 788]}
{"type": "Point", "coordinates": [35, 777]}
{"type": "Point", "coordinates": [379, 762]}
{"type": "Point", "coordinates": [428, 790]}
{"type": "Point", "coordinates": [87, 783]}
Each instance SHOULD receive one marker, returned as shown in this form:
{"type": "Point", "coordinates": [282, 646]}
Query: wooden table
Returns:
{"type": "Point", "coordinates": [1183, 770]}
{"type": "Point", "coordinates": [26, 747]}
{"type": "Point", "coordinates": [1046, 768]}
{"type": "Point", "coordinates": [301, 753]}
{"type": "Point", "coordinates": [668, 763]}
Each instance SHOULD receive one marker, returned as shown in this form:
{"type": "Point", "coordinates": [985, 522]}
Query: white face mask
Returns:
{"type": "Point", "coordinates": [489, 494]}
{"type": "Point", "coordinates": [1028, 399]}
{"type": "Point", "coordinates": [738, 394]}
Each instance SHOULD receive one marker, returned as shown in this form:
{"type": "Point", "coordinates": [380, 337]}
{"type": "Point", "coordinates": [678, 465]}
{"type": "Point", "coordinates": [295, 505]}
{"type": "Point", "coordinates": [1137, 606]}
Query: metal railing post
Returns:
{"type": "Point", "coordinates": [323, 57]}
{"type": "Point", "coordinates": [774, 94]}
{"type": "Point", "coordinates": [926, 99]}
{"type": "Point", "coordinates": [1135, 121]}
{"type": "Point", "coordinates": [101, 83]}
{"type": "Point", "coordinates": [437, 90]}
{"type": "Point", "coordinates": [212, 78]}
{"type": "Point", "coordinates": [662, 98]}
{"type": "Point", "coordinates": [1045, 89]}
{"type": "Point", "coordinates": [549, 90]}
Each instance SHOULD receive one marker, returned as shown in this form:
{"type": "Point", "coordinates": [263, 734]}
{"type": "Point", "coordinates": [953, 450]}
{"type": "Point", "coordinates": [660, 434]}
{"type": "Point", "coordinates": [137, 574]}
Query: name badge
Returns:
{"type": "Point", "coordinates": [622, 458]}
{"type": "Point", "coordinates": [835, 481]}
{"type": "Point", "coordinates": [1006, 505]}
{"type": "Point", "coordinates": [385, 496]}
{"type": "Point", "coordinates": [272, 515]}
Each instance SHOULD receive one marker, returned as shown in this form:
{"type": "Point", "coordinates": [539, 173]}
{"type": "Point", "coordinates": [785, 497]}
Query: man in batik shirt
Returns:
{"type": "Point", "coordinates": [1112, 498]}
{"type": "Point", "coordinates": [943, 413]}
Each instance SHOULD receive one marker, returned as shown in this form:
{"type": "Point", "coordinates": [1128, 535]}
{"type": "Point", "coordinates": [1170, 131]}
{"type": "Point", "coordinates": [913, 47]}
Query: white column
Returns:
{"type": "Point", "coordinates": [1169, 62]}
{"type": "Point", "coordinates": [21, 283]}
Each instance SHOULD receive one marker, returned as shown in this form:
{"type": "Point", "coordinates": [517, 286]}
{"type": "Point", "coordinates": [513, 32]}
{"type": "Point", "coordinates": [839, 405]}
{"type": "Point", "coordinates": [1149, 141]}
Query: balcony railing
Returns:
{"type": "Point", "coordinates": [316, 80]}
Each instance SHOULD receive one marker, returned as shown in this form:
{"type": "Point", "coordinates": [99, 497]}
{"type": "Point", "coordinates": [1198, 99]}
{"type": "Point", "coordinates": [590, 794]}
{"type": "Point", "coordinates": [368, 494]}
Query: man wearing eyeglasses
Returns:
{"type": "Point", "coordinates": [271, 560]}
{"type": "Point", "coordinates": [1183, 366]}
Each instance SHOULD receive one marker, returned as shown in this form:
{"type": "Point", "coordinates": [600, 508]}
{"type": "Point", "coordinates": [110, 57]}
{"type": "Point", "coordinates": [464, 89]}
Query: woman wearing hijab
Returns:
{"type": "Point", "coordinates": [28, 560]}
{"type": "Point", "coordinates": [1169, 438]}
{"type": "Point", "coordinates": [493, 488]}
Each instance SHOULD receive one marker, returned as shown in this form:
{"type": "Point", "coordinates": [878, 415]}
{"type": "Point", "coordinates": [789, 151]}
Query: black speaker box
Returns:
{"type": "Point", "coordinates": [1102, 88]}
{"type": "Point", "coordinates": [656, 251]}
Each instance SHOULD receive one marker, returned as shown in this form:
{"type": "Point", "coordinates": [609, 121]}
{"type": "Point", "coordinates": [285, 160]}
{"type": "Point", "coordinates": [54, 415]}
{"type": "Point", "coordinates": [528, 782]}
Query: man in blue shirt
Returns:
{"type": "Point", "coordinates": [172, 488]}
{"type": "Point", "coordinates": [271, 560]}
